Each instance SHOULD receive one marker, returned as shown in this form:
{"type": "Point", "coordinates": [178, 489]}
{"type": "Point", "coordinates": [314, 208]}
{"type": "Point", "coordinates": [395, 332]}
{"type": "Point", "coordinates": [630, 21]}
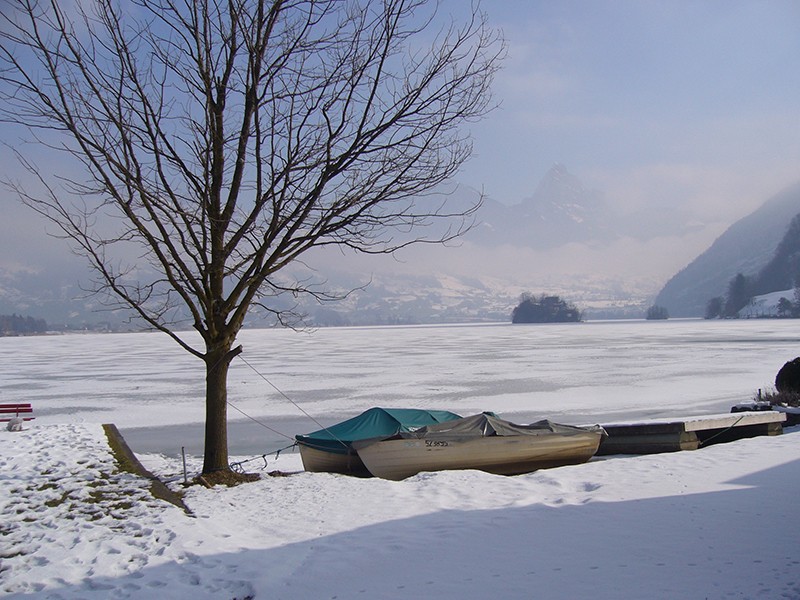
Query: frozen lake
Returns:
{"type": "Point", "coordinates": [599, 371]}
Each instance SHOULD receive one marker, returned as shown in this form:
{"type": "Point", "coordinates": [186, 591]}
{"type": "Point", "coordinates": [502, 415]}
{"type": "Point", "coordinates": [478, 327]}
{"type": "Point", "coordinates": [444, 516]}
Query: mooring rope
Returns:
{"type": "Point", "coordinates": [236, 408]}
{"type": "Point", "coordinates": [704, 442]}
{"type": "Point", "coordinates": [295, 404]}
{"type": "Point", "coordinates": [237, 466]}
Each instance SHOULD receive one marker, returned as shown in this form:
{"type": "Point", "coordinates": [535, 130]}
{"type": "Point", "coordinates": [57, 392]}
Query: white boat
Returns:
{"type": "Point", "coordinates": [484, 442]}
{"type": "Point", "coordinates": [330, 449]}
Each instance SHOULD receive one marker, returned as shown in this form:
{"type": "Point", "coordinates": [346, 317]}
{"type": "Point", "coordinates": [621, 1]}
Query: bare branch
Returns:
{"type": "Point", "coordinates": [209, 144]}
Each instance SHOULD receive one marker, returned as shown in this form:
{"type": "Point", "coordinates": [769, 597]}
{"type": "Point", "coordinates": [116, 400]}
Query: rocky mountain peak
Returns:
{"type": "Point", "coordinates": [558, 187]}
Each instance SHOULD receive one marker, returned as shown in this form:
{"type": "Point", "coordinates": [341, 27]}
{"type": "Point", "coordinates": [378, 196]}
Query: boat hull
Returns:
{"type": "Point", "coordinates": [320, 461]}
{"type": "Point", "coordinates": [503, 455]}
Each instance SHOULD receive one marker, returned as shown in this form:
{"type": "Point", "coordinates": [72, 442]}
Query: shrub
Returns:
{"type": "Point", "coordinates": [656, 312]}
{"type": "Point", "coordinates": [778, 398]}
{"type": "Point", "coordinates": [788, 378]}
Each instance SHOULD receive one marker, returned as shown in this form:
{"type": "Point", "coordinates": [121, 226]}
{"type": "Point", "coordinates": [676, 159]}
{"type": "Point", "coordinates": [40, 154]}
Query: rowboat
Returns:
{"type": "Point", "coordinates": [484, 442]}
{"type": "Point", "coordinates": [330, 449]}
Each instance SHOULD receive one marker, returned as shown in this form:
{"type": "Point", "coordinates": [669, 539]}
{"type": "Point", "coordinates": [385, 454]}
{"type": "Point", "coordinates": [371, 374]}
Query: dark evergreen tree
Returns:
{"type": "Point", "coordinates": [784, 307]}
{"type": "Point", "coordinates": [714, 308]}
{"type": "Point", "coordinates": [738, 295]}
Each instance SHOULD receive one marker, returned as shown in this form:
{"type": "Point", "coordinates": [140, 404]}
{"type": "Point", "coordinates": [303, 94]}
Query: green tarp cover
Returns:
{"type": "Point", "coordinates": [373, 423]}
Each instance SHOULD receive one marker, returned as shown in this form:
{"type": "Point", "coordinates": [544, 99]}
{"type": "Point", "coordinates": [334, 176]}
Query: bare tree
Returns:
{"type": "Point", "coordinates": [223, 139]}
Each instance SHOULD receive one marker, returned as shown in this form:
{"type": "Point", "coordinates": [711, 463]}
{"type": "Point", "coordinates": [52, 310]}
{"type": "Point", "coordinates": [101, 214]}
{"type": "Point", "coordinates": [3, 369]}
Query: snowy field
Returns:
{"type": "Point", "coordinates": [720, 522]}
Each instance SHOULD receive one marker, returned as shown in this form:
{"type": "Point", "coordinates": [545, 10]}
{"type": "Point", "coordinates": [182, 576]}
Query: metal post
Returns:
{"type": "Point", "coordinates": [183, 454]}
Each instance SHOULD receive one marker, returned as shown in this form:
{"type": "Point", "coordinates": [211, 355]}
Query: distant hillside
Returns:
{"type": "Point", "coordinates": [746, 247]}
{"type": "Point", "coordinates": [566, 238]}
{"type": "Point", "coordinates": [781, 273]}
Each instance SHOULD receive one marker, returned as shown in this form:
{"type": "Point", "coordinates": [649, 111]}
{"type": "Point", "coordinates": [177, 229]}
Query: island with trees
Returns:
{"type": "Point", "coordinates": [544, 309]}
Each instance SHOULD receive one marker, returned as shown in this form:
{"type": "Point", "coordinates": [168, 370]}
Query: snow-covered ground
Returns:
{"type": "Point", "coordinates": [720, 522]}
{"type": "Point", "coordinates": [766, 305]}
{"type": "Point", "coordinates": [715, 523]}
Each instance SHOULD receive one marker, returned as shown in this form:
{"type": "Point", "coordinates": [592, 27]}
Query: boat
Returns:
{"type": "Point", "coordinates": [484, 442]}
{"type": "Point", "coordinates": [331, 450]}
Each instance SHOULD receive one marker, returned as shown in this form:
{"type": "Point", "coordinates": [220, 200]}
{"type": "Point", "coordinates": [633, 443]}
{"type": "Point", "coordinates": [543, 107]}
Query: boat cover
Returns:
{"type": "Point", "coordinates": [489, 424]}
{"type": "Point", "coordinates": [376, 422]}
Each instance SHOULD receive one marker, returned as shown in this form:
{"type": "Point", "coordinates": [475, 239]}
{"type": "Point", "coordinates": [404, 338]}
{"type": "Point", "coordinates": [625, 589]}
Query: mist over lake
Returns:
{"type": "Point", "coordinates": [598, 371]}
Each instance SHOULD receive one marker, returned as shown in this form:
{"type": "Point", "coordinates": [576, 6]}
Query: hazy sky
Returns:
{"type": "Point", "coordinates": [669, 102]}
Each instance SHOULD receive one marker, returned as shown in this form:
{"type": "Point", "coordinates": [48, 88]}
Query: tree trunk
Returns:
{"type": "Point", "coordinates": [216, 437]}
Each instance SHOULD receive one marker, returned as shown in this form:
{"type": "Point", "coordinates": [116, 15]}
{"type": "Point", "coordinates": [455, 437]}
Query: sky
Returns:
{"type": "Point", "coordinates": [687, 103]}
{"type": "Point", "coordinates": [656, 104]}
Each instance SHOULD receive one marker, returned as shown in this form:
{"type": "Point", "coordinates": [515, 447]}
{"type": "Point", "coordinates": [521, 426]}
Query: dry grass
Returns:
{"type": "Point", "coordinates": [779, 398]}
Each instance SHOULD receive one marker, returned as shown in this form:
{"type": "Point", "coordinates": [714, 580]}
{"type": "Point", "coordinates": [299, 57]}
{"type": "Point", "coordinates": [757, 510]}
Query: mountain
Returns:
{"type": "Point", "coordinates": [564, 239]}
{"type": "Point", "coordinates": [560, 211]}
{"type": "Point", "coordinates": [563, 211]}
{"type": "Point", "coordinates": [745, 247]}
{"type": "Point", "coordinates": [56, 295]}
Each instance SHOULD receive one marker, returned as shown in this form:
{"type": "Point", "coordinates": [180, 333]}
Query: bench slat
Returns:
{"type": "Point", "coordinates": [17, 410]}
{"type": "Point", "coordinates": [13, 407]}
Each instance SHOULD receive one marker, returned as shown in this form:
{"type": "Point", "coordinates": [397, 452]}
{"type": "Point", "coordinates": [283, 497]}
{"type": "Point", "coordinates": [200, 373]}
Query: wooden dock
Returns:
{"type": "Point", "coordinates": [688, 433]}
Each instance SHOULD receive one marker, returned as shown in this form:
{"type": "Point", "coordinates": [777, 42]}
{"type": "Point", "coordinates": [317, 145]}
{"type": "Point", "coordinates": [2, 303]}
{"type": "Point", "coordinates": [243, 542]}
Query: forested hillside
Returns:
{"type": "Point", "coordinates": [747, 247]}
{"type": "Point", "coordinates": [17, 325]}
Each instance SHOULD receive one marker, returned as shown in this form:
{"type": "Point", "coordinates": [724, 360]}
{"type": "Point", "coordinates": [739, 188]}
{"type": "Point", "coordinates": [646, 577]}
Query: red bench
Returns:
{"type": "Point", "coordinates": [9, 411]}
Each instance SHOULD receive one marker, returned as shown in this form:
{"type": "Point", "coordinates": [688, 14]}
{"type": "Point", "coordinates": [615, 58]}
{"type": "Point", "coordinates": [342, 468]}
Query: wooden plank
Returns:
{"type": "Point", "coordinates": [718, 436]}
{"type": "Point", "coordinates": [726, 420]}
{"type": "Point", "coordinates": [792, 414]}
{"type": "Point", "coordinates": [127, 461]}
{"type": "Point", "coordinates": [698, 423]}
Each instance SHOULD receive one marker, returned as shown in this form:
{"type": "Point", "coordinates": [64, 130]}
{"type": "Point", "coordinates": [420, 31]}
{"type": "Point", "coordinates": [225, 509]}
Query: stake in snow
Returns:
{"type": "Point", "coordinates": [211, 144]}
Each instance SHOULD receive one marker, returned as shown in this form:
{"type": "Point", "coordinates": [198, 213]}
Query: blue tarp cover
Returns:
{"type": "Point", "coordinates": [373, 423]}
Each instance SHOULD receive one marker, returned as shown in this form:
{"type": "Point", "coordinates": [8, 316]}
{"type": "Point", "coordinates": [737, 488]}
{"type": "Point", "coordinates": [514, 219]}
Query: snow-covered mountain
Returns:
{"type": "Point", "coordinates": [561, 210]}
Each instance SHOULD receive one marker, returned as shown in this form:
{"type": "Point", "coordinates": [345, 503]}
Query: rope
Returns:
{"type": "Point", "coordinates": [264, 425]}
{"type": "Point", "coordinates": [297, 406]}
{"type": "Point", "coordinates": [237, 466]}
{"type": "Point", "coordinates": [704, 442]}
